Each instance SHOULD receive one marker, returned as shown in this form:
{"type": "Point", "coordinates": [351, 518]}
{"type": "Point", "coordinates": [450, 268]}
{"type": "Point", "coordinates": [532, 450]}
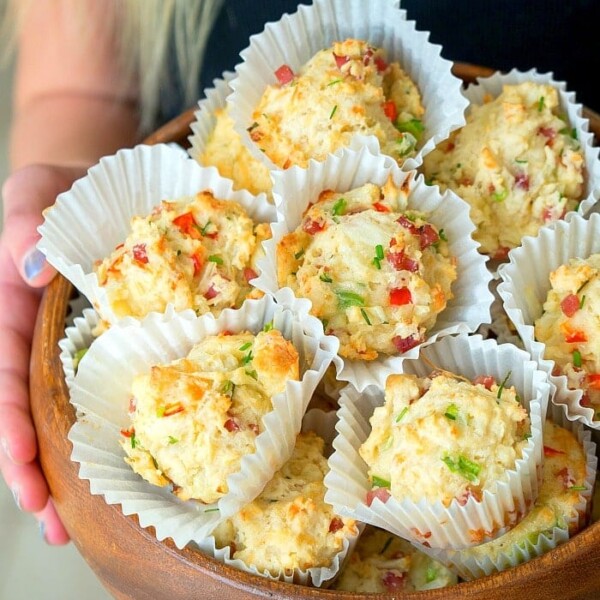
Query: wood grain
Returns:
{"type": "Point", "coordinates": [133, 565]}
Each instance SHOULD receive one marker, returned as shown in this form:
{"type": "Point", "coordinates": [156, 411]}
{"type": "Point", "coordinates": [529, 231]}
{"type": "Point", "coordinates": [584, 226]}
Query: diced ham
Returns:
{"type": "Point", "coordinates": [486, 381]}
{"type": "Point", "coordinates": [393, 582]}
{"type": "Point", "coordinates": [335, 525]}
{"type": "Point", "coordinates": [311, 227]}
{"type": "Point", "coordinates": [401, 262]}
{"type": "Point", "coordinates": [400, 296]}
{"type": "Point", "coordinates": [139, 254]}
{"type": "Point", "coordinates": [284, 74]}
{"type": "Point", "coordinates": [382, 493]}
{"type": "Point", "coordinates": [405, 344]}
{"type": "Point", "coordinates": [569, 305]}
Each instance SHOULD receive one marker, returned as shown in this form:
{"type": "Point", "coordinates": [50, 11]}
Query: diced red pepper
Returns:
{"type": "Point", "coordinates": [522, 181]}
{"type": "Point", "coordinates": [197, 262]}
{"type": "Point", "coordinates": [486, 381]}
{"type": "Point", "coordinates": [552, 451]}
{"type": "Point", "coordinates": [401, 262]}
{"type": "Point", "coordinates": [187, 225]}
{"type": "Point", "coordinates": [570, 305]}
{"type": "Point", "coordinates": [405, 344]}
{"type": "Point", "coordinates": [428, 236]}
{"type": "Point", "coordinates": [284, 74]}
{"type": "Point", "coordinates": [231, 425]}
{"type": "Point", "coordinates": [211, 293]}
{"type": "Point", "coordinates": [381, 66]}
{"type": "Point", "coordinates": [249, 274]}
{"type": "Point", "coordinates": [390, 110]}
{"type": "Point", "coordinates": [139, 254]}
{"type": "Point", "coordinates": [393, 582]}
{"type": "Point", "coordinates": [408, 224]}
{"type": "Point", "coordinates": [335, 525]}
{"type": "Point", "coordinates": [593, 381]}
{"type": "Point", "coordinates": [128, 432]}
{"type": "Point", "coordinates": [382, 208]}
{"type": "Point", "coordinates": [381, 493]}
{"type": "Point", "coordinates": [173, 409]}
{"type": "Point", "coordinates": [340, 61]}
{"type": "Point", "coordinates": [576, 337]}
{"type": "Point", "coordinates": [313, 227]}
{"type": "Point", "coordinates": [400, 296]}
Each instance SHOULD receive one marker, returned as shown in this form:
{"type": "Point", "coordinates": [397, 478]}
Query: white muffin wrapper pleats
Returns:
{"type": "Point", "coordinates": [323, 424]}
{"type": "Point", "coordinates": [88, 221]}
{"type": "Point", "coordinates": [525, 285]}
{"type": "Point", "coordinates": [295, 188]}
{"type": "Point", "coordinates": [101, 391]}
{"type": "Point", "coordinates": [443, 527]}
{"type": "Point", "coordinates": [296, 38]}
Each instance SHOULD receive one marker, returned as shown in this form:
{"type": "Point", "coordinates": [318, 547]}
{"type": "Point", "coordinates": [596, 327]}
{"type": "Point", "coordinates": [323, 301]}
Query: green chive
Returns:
{"type": "Point", "coordinates": [324, 277]}
{"type": "Point", "coordinates": [501, 388]}
{"type": "Point", "coordinates": [431, 575]}
{"type": "Point", "coordinates": [215, 259]}
{"type": "Point", "coordinates": [582, 302]}
{"type": "Point", "coordinates": [365, 316]}
{"type": "Point", "coordinates": [401, 414]}
{"type": "Point", "coordinates": [386, 545]}
{"type": "Point", "coordinates": [377, 262]}
{"type": "Point", "coordinates": [463, 466]}
{"type": "Point", "coordinates": [451, 412]}
{"type": "Point", "coordinates": [347, 299]}
{"type": "Point", "coordinates": [380, 482]}
{"type": "Point", "coordinates": [268, 326]}
{"type": "Point", "coordinates": [577, 488]}
{"type": "Point", "coordinates": [78, 356]}
{"type": "Point", "coordinates": [333, 112]}
{"type": "Point", "coordinates": [577, 358]}
{"type": "Point", "coordinates": [252, 374]}
{"type": "Point", "coordinates": [247, 358]}
{"type": "Point", "coordinates": [211, 510]}
{"type": "Point", "coordinates": [299, 254]}
{"type": "Point", "coordinates": [541, 103]}
{"type": "Point", "coordinates": [172, 440]}
{"type": "Point", "coordinates": [339, 208]}
{"type": "Point", "coordinates": [406, 143]}
{"type": "Point", "coordinates": [415, 127]}
{"type": "Point", "coordinates": [134, 441]}
{"type": "Point", "coordinates": [334, 82]}
{"type": "Point", "coordinates": [205, 228]}
{"type": "Point", "coordinates": [500, 196]}
{"type": "Point", "coordinates": [379, 251]}
{"type": "Point", "coordinates": [253, 126]}
{"type": "Point", "coordinates": [227, 386]}
{"type": "Point", "coordinates": [443, 235]}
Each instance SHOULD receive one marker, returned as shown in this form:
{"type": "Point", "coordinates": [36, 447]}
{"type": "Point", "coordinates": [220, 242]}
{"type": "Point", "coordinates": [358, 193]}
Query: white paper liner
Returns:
{"type": "Point", "coordinates": [573, 111]}
{"type": "Point", "coordinates": [295, 188]}
{"type": "Point", "coordinates": [525, 285]}
{"type": "Point", "coordinates": [323, 424]}
{"type": "Point", "coordinates": [88, 221]}
{"type": "Point", "coordinates": [470, 356]}
{"type": "Point", "coordinates": [296, 38]}
{"type": "Point", "coordinates": [125, 351]}
{"type": "Point", "coordinates": [469, 567]}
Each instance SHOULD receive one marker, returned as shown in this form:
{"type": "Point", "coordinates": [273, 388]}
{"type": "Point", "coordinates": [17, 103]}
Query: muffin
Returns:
{"type": "Point", "coordinates": [377, 274]}
{"type": "Point", "coordinates": [289, 526]}
{"type": "Point", "coordinates": [570, 325]}
{"type": "Point", "coordinates": [385, 563]}
{"type": "Point", "coordinates": [342, 90]}
{"type": "Point", "coordinates": [196, 252]}
{"type": "Point", "coordinates": [193, 420]}
{"type": "Point", "coordinates": [517, 162]}
{"type": "Point", "coordinates": [444, 438]}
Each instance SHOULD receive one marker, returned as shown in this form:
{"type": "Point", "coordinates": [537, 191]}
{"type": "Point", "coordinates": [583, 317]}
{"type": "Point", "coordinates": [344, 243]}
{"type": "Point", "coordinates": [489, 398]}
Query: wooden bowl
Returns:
{"type": "Point", "coordinates": [132, 564]}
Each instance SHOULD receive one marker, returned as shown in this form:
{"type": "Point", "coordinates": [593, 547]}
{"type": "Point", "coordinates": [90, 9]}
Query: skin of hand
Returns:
{"type": "Point", "coordinates": [71, 106]}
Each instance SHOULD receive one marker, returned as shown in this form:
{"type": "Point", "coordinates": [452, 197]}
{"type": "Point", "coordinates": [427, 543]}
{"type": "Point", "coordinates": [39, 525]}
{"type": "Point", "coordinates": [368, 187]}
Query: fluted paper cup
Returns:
{"type": "Point", "coordinates": [125, 351]}
{"type": "Point", "coordinates": [455, 526]}
{"type": "Point", "coordinates": [295, 188]}
{"type": "Point", "coordinates": [88, 221]}
{"type": "Point", "coordinates": [323, 424]}
{"type": "Point", "coordinates": [296, 38]}
{"type": "Point", "coordinates": [525, 285]}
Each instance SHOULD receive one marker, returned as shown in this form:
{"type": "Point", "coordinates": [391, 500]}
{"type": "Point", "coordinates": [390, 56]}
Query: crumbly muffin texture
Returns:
{"type": "Point", "coordinates": [443, 438]}
{"type": "Point", "coordinates": [570, 326]}
{"type": "Point", "coordinates": [377, 274]}
{"type": "Point", "coordinates": [225, 151]}
{"type": "Point", "coordinates": [347, 89]}
{"type": "Point", "coordinates": [194, 419]}
{"type": "Point", "coordinates": [289, 526]}
{"type": "Point", "coordinates": [198, 252]}
{"type": "Point", "coordinates": [517, 162]}
{"type": "Point", "coordinates": [557, 502]}
{"type": "Point", "coordinates": [385, 563]}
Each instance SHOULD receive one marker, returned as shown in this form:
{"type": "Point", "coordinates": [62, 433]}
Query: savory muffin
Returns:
{"type": "Point", "coordinates": [225, 151]}
{"type": "Point", "coordinates": [347, 89]}
{"type": "Point", "coordinates": [194, 419]}
{"type": "Point", "coordinates": [443, 438]}
{"type": "Point", "coordinates": [516, 162]}
{"type": "Point", "coordinates": [385, 563]}
{"type": "Point", "coordinates": [289, 526]}
{"type": "Point", "coordinates": [570, 325]}
{"type": "Point", "coordinates": [196, 253]}
{"type": "Point", "coordinates": [377, 274]}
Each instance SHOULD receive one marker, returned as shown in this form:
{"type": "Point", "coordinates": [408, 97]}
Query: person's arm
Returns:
{"type": "Point", "coordinates": [72, 105]}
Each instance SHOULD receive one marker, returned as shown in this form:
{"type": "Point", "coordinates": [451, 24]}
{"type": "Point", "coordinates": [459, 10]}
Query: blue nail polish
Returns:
{"type": "Point", "coordinates": [16, 496]}
{"type": "Point", "coordinates": [33, 264]}
{"type": "Point", "coordinates": [42, 529]}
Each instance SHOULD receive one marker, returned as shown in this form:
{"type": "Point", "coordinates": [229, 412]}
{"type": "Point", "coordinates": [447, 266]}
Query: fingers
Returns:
{"type": "Point", "coordinates": [51, 527]}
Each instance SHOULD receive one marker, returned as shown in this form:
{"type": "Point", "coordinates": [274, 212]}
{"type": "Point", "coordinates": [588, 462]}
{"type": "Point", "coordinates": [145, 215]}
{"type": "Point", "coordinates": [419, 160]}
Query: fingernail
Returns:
{"type": "Point", "coordinates": [6, 449]}
{"type": "Point", "coordinates": [16, 495]}
{"type": "Point", "coordinates": [42, 529]}
{"type": "Point", "coordinates": [33, 264]}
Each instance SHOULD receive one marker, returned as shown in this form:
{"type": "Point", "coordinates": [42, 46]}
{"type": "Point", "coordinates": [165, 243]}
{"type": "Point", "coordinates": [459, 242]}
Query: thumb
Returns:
{"type": "Point", "coordinates": [26, 193]}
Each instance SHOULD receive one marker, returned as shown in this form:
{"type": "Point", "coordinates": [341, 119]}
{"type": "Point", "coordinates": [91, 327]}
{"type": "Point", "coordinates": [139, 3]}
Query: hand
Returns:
{"type": "Point", "coordinates": [23, 273]}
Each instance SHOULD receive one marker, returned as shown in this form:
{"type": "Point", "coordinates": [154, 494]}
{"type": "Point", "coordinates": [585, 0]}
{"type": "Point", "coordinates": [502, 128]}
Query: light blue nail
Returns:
{"type": "Point", "coordinates": [16, 495]}
{"type": "Point", "coordinates": [42, 529]}
{"type": "Point", "coordinates": [33, 264]}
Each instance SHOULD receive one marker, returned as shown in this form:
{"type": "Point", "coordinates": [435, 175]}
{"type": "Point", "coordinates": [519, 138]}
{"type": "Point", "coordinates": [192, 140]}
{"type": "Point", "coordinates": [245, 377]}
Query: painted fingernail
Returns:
{"type": "Point", "coordinates": [33, 264]}
{"type": "Point", "coordinates": [17, 496]}
{"type": "Point", "coordinates": [42, 529]}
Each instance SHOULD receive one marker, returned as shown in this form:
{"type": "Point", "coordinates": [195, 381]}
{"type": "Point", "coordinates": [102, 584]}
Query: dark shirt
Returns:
{"type": "Point", "coordinates": [550, 35]}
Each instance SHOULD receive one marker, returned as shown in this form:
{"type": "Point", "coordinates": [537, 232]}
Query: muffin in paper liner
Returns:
{"type": "Point", "coordinates": [323, 424]}
{"type": "Point", "coordinates": [294, 189]}
{"type": "Point", "coordinates": [123, 352]}
{"type": "Point", "coordinates": [481, 561]}
{"type": "Point", "coordinates": [88, 221]}
{"type": "Point", "coordinates": [296, 38]}
{"type": "Point", "coordinates": [456, 526]}
{"type": "Point", "coordinates": [525, 285]}
{"type": "Point", "coordinates": [239, 165]}
{"type": "Point", "coordinates": [517, 176]}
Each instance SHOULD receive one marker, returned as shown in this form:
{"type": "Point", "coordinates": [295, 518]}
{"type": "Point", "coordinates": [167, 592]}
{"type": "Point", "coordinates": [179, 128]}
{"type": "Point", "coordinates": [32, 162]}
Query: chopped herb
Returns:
{"type": "Point", "coordinates": [414, 127]}
{"type": "Point", "coordinates": [252, 374]}
{"type": "Point", "coordinates": [380, 482]}
{"type": "Point", "coordinates": [268, 326]}
{"type": "Point", "coordinates": [463, 466]}
{"type": "Point", "coordinates": [333, 112]}
{"type": "Point", "coordinates": [500, 196]}
{"type": "Point", "coordinates": [215, 259]}
{"type": "Point", "coordinates": [324, 277]}
{"type": "Point", "coordinates": [378, 256]}
{"type": "Point", "coordinates": [431, 574]}
{"type": "Point", "coordinates": [245, 346]}
{"type": "Point", "coordinates": [443, 235]}
{"type": "Point", "coordinates": [172, 440]}
{"type": "Point", "coordinates": [178, 252]}
{"type": "Point", "coordinates": [211, 510]}
{"type": "Point", "coordinates": [339, 208]}
{"type": "Point", "coordinates": [577, 488]}
{"type": "Point", "coordinates": [574, 133]}
{"type": "Point", "coordinates": [134, 440]}
{"type": "Point", "coordinates": [347, 299]}
{"type": "Point", "coordinates": [527, 435]}
{"type": "Point", "coordinates": [451, 412]}
{"type": "Point", "coordinates": [365, 316]}
{"type": "Point", "coordinates": [299, 254]}
{"type": "Point", "coordinates": [325, 322]}
{"type": "Point", "coordinates": [582, 302]}
{"type": "Point", "coordinates": [401, 414]}
{"type": "Point", "coordinates": [388, 443]}
{"type": "Point", "coordinates": [406, 143]}
{"type": "Point", "coordinates": [541, 103]}
{"type": "Point", "coordinates": [577, 362]}
{"type": "Point", "coordinates": [334, 82]}
{"type": "Point", "coordinates": [521, 161]}
{"type": "Point", "coordinates": [501, 388]}
{"type": "Point", "coordinates": [79, 354]}
{"type": "Point", "coordinates": [253, 126]}
{"type": "Point", "coordinates": [228, 387]}
{"type": "Point", "coordinates": [386, 545]}
{"type": "Point", "coordinates": [205, 228]}
{"type": "Point", "coordinates": [247, 358]}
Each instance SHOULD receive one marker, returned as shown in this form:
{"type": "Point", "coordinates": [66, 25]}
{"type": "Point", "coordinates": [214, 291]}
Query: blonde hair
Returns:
{"type": "Point", "coordinates": [158, 41]}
